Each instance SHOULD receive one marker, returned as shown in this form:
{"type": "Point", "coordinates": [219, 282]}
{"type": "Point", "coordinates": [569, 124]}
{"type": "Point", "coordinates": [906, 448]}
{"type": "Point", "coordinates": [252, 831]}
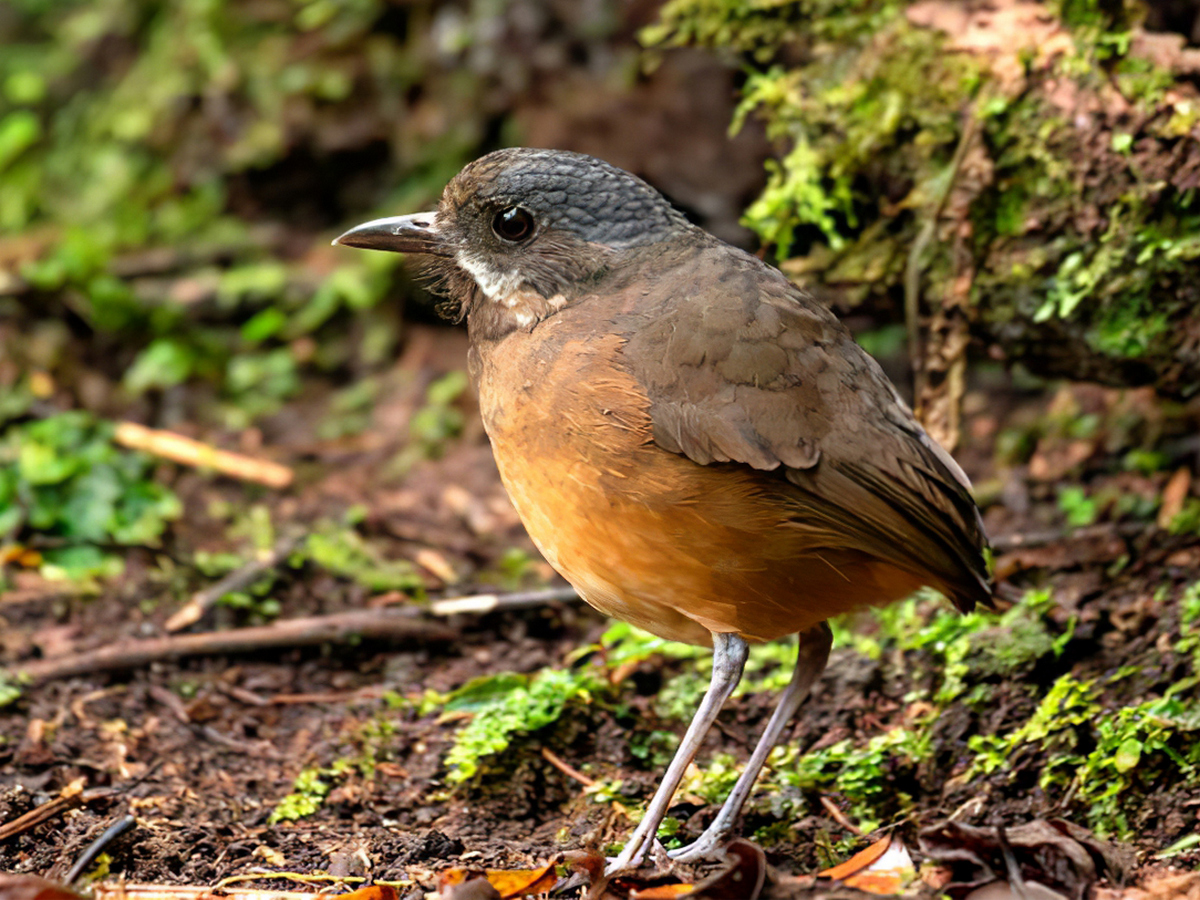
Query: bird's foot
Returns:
{"type": "Point", "coordinates": [708, 847]}
{"type": "Point", "coordinates": [634, 857]}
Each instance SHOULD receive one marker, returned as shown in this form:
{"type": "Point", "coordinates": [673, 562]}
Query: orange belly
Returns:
{"type": "Point", "coordinates": [646, 535]}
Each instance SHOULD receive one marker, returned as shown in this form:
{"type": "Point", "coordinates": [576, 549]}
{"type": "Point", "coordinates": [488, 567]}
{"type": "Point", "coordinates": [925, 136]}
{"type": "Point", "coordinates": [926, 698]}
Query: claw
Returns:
{"type": "Point", "coordinates": [630, 860]}
{"type": "Point", "coordinates": [709, 847]}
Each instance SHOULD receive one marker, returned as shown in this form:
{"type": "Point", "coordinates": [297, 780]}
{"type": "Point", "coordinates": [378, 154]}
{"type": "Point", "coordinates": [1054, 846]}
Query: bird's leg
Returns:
{"type": "Point", "coordinates": [729, 658]}
{"type": "Point", "coordinates": [811, 657]}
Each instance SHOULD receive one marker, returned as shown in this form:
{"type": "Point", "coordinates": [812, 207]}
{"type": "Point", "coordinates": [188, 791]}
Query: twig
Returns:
{"type": "Point", "coordinates": [339, 628]}
{"type": "Point", "coordinates": [189, 452]}
{"type": "Point", "coordinates": [566, 768]}
{"type": "Point", "coordinates": [298, 877]}
{"type": "Point", "coordinates": [51, 809]}
{"type": "Point", "coordinates": [111, 833]}
{"type": "Point", "coordinates": [840, 817]}
{"type": "Point", "coordinates": [912, 270]}
{"type": "Point", "coordinates": [1002, 543]}
{"type": "Point", "coordinates": [482, 603]}
{"type": "Point", "coordinates": [202, 601]}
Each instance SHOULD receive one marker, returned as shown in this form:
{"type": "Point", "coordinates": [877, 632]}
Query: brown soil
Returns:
{"type": "Point", "coordinates": [202, 750]}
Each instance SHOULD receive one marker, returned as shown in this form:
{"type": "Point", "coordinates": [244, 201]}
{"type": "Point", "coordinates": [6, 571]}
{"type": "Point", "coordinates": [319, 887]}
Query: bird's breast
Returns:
{"type": "Point", "coordinates": [644, 534]}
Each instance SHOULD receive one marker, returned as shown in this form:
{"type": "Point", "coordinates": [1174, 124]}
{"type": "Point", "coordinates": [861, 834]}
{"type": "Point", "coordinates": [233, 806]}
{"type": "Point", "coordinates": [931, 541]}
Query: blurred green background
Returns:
{"type": "Point", "coordinates": [171, 174]}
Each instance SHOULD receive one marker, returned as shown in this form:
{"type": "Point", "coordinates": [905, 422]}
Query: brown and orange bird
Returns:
{"type": "Point", "coordinates": [693, 442]}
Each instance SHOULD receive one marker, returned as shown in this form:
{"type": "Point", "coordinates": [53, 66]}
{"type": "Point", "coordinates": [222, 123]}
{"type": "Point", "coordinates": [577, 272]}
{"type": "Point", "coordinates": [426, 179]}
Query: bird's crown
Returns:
{"type": "Point", "coordinates": [566, 192]}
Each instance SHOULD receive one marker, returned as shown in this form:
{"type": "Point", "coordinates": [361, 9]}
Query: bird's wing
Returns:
{"type": "Point", "coordinates": [754, 372]}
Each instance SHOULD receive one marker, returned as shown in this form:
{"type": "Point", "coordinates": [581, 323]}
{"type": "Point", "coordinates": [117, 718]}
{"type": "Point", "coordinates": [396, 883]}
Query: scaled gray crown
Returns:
{"type": "Point", "coordinates": [578, 193]}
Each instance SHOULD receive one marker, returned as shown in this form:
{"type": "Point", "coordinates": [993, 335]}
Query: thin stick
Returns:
{"type": "Point", "coordinates": [840, 817]}
{"type": "Point", "coordinates": [1002, 543]}
{"type": "Point", "coordinates": [204, 600]}
{"type": "Point", "coordinates": [566, 768]}
{"type": "Point", "coordinates": [111, 833]}
{"type": "Point", "coordinates": [339, 628]}
{"type": "Point", "coordinates": [189, 452]}
{"type": "Point", "coordinates": [482, 603]}
{"type": "Point", "coordinates": [912, 269]}
{"type": "Point", "coordinates": [50, 809]}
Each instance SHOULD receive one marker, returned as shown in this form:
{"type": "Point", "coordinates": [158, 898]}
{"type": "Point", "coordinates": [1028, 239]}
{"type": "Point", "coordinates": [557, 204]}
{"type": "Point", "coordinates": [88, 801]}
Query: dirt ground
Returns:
{"type": "Point", "coordinates": [201, 750]}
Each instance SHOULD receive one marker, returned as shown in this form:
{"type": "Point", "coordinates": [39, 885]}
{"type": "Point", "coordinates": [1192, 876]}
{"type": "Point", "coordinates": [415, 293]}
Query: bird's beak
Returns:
{"type": "Point", "coordinates": [417, 233]}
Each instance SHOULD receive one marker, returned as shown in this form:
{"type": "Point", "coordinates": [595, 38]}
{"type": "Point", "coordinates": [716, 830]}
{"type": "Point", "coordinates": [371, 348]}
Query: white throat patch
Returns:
{"type": "Point", "coordinates": [496, 286]}
{"type": "Point", "coordinates": [507, 290]}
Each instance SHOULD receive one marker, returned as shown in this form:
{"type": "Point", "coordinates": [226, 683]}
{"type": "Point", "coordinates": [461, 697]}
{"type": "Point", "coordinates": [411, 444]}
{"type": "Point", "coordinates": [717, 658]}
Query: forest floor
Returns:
{"type": "Point", "coordinates": [1077, 700]}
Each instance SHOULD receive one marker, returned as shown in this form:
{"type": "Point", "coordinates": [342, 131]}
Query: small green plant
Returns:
{"type": "Point", "coordinates": [714, 778]}
{"type": "Point", "coordinates": [1187, 520]}
{"type": "Point", "coordinates": [654, 748]}
{"type": "Point", "coordinates": [1080, 509]}
{"type": "Point", "coordinates": [309, 791]}
{"type": "Point", "coordinates": [1144, 745]}
{"type": "Point", "coordinates": [62, 478]}
{"type": "Point", "coordinates": [864, 775]}
{"type": "Point", "coordinates": [340, 549]}
{"type": "Point", "coordinates": [963, 644]}
{"type": "Point", "coordinates": [375, 738]}
{"type": "Point", "coordinates": [1068, 704]}
{"type": "Point", "coordinates": [435, 424]}
{"type": "Point", "coordinates": [1103, 753]}
{"type": "Point", "coordinates": [514, 567]}
{"type": "Point", "coordinates": [623, 643]}
{"type": "Point", "coordinates": [10, 690]}
{"type": "Point", "coordinates": [255, 602]}
{"type": "Point", "coordinates": [510, 705]}
{"type": "Point", "coordinates": [1189, 624]}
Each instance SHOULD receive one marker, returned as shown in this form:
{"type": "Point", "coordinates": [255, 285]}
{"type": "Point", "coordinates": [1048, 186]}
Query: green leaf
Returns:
{"type": "Point", "coordinates": [19, 130]}
{"type": "Point", "coordinates": [165, 363]}
{"type": "Point", "coordinates": [1128, 755]}
{"type": "Point", "coordinates": [41, 463]}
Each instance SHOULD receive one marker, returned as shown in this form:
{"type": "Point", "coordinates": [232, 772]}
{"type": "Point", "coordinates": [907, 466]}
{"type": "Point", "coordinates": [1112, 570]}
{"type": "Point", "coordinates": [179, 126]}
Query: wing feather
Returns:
{"type": "Point", "coordinates": [759, 374]}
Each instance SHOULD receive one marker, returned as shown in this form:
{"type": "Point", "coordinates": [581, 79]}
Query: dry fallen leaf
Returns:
{"type": "Point", "coordinates": [1173, 497]}
{"type": "Point", "coordinates": [507, 883]}
{"type": "Point", "coordinates": [664, 892]}
{"type": "Point", "coordinates": [743, 879]}
{"type": "Point", "coordinates": [19, 555]}
{"type": "Point", "coordinates": [30, 887]}
{"type": "Point", "coordinates": [476, 887]}
{"type": "Point", "coordinates": [885, 867]}
{"type": "Point", "coordinates": [370, 892]}
{"type": "Point", "coordinates": [1061, 856]}
{"type": "Point", "coordinates": [858, 861]}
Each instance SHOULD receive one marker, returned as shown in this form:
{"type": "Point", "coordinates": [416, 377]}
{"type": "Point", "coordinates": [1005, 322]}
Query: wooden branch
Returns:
{"type": "Point", "coordinates": [50, 809]}
{"type": "Point", "coordinates": [202, 601]}
{"type": "Point", "coordinates": [566, 768]}
{"type": "Point", "coordinates": [483, 603]}
{"type": "Point", "coordinates": [912, 268]}
{"type": "Point", "coordinates": [189, 452]}
{"type": "Point", "coordinates": [339, 628]}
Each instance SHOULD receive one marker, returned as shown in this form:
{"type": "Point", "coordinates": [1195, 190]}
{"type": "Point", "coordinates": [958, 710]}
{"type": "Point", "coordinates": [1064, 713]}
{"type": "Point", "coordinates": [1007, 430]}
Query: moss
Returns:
{"type": "Point", "coordinates": [1082, 229]}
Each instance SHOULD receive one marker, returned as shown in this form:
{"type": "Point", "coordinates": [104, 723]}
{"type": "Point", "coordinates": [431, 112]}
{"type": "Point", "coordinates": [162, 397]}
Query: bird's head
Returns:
{"type": "Point", "coordinates": [527, 230]}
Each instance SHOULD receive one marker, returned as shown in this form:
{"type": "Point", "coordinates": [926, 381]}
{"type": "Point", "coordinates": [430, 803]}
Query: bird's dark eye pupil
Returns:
{"type": "Point", "coordinates": [513, 224]}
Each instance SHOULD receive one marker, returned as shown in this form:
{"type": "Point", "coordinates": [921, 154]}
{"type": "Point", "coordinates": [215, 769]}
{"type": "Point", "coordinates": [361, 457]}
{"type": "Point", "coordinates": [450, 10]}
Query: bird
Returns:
{"type": "Point", "coordinates": [693, 442]}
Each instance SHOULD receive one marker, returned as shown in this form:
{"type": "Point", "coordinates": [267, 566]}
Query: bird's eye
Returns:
{"type": "Point", "coordinates": [513, 224]}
